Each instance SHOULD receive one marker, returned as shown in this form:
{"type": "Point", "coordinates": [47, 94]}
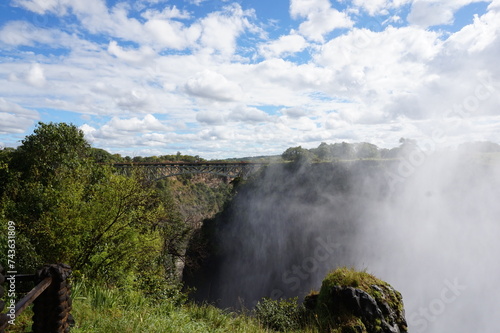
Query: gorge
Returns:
{"type": "Point", "coordinates": [428, 228]}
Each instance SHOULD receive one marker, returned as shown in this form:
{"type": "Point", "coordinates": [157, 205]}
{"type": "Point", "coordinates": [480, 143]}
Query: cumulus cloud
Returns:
{"type": "Point", "coordinates": [130, 55]}
{"type": "Point", "coordinates": [426, 13]}
{"type": "Point", "coordinates": [374, 68]}
{"type": "Point", "coordinates": [249, 114]}
{"type": "Point", "coordinates": [166, 14]}
{"type": "Point", "coordinates": [283, 46]}
{"type": "Point", "coordinates": [14, 118]}
{"type": "Point", "coordinates": [129, 132]}
{"type": "Point", "coordinates": [379, 7]}
{"type": "Point", "coordinates": [321, 18]}
{"type": "Point", "coordinates": [147, 124]}
{"type": "Point", "coordinates": [294, 112]}
{"type": "Point", "coordinates": [17, 33]}
{"type": "Point", "coordinates": [215, 70]}
{"type": "Point", "coordinates": [35, 76]}
{"type": "Point", "coordinates": [212, 85]}
{"type": "Point", "coordinates": [211, 117]}
{"type": "Point", "coordinates": [220, 29]}
{"type": "Point", "coordinates": [240, 114]}
{"type": "Point", "coordinates": [483, 32]}
{"type": "Point", "coordinates": [172, 34]}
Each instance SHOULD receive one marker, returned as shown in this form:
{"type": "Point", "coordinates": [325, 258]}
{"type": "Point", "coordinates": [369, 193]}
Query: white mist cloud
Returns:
{"type": "Point", "coordinates": [438, 229]}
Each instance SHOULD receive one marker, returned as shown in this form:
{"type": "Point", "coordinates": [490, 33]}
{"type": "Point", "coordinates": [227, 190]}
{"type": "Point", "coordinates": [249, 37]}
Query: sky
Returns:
{"type": "Point", "coordinates": [235, 78]}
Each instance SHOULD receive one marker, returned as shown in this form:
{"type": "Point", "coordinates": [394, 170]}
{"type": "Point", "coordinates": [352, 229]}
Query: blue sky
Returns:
{"type": "Point", "coordinates": [229, 78]}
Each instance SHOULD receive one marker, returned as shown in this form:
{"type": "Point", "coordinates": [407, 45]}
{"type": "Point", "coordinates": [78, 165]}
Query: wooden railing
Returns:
{"type": "Point", "coordinates": [50, 298]}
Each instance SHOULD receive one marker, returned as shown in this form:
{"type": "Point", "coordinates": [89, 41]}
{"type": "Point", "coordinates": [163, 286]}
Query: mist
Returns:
{"type": "Point", "coordinates": [429, 226]}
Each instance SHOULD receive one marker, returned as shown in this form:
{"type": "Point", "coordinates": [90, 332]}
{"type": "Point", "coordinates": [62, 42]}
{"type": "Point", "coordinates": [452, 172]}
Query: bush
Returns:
{"type": "Point", "coordinates": [280, 315]}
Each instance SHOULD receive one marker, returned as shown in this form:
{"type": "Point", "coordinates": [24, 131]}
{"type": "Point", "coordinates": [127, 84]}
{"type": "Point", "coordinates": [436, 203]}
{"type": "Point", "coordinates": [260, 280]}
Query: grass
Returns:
{"type": "Point", "coordinates": [97, 309]}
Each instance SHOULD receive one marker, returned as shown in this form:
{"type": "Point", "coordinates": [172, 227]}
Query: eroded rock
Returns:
{"type": "Point", "coordinates": [351, 301]}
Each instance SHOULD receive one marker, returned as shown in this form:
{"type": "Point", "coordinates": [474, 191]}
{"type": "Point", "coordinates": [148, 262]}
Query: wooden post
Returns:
{"type": "Point", "coordinates": [51, 309]}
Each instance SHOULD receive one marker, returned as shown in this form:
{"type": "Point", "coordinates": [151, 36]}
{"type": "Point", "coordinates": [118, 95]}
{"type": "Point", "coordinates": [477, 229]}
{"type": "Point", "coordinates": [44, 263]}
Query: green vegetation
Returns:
{"type": "Point", "coordinates": [345, 319]}
{"type": "Point", "coordinates": [109, 310]}
{"type": "Point", "coordinates": [124, 234]}
{"type": "Point", "coordinates": [284, 315]}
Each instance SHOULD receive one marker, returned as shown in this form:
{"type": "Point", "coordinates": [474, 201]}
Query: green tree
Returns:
{"type": "Point", "coordinates": [296, 154]}
{"type": "Point", "coordinates": [367, 150]}
{"type": "Point", "coordinates": [70, 209]}
{"type": "Point", "coordinates": [51, 148]}
{"type": "Point", "coordinates": [323, 152]}
{"type": "Point", "coordinates": [342, 151]}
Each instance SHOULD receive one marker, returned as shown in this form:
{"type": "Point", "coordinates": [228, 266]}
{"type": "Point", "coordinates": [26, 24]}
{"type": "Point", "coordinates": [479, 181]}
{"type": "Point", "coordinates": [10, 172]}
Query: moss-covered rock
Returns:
{"type": "Point", "coordinates": [353, 301]}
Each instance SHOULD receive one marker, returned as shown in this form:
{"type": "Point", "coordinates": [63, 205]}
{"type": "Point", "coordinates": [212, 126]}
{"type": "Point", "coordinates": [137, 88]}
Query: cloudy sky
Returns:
{"type": "Point", "coordinates": [232, 78]}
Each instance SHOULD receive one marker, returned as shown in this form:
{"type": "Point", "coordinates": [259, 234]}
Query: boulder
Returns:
{"type": "Point", "coordinates": [351, 301]}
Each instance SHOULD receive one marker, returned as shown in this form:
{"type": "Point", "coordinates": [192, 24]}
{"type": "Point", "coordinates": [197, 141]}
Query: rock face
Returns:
{"type": "Point", "coordinates": [351, 301]}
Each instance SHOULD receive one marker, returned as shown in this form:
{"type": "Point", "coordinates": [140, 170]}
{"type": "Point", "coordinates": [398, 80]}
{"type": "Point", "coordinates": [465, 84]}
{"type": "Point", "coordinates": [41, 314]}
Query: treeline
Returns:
{"type": "Point", "coordinates": [363, 150]}
{"type": "Point", "coordinates": [103, 156]}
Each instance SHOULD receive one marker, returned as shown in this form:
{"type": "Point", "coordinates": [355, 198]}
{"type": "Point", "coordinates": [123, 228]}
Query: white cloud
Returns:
{"type": "Point", "coordinates": [212, 85]}
{"type": "Point", "coordinates": [302, 8]}
{"type": "Point", "coordinates": [147, 124]}
{"type": "Point", "coordinates": [249, 114]}
{"type": "Point", "coordinates": [483, 32]}
{"type": "Point", "coordinates": [130, 55]}
{"type": "Point", "coordinates": [374, 68]}
{"type": "Point", "coordinates": [129, 132]}
{"type": "Point", "coordinates": [426, 13]}
{"type": "Point", "coordinates": [166, 14]}
{"type": "Point", "coordinates": [14, 118]}
{"type": "Point", "coordinates": [220, 29]}
{"type": "Point", "coordinates": [321, 18]}
{"type": "Point", "coordinates": [41, 6]}
{"type": "Point", "coordinates": [16, 33]}
{"type": "Point", "coordinates": [172, 34]}
{"type": "Point", "coordinates": [211, 117]}
{"type": "Point", "coordinates": [35, 76]}
{"type": "Point", "coordinates": [284, 45]}
{"type": "Point", "coordinates": [294, 112]}
{"type": "Point", "coordinates": [379, 7]}
{"type": "Point", "coordinates": [361, 85]}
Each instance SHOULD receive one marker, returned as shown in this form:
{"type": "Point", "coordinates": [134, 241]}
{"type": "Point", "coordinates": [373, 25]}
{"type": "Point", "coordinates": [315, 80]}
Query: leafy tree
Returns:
{"type": "Point", "coordinates": [102, 156]}
{"type": "Point", "coordinates": [323, 152]}
{"type": "Point", "coordinates": [342, 151]}
{"type": "Point", "coordinates": [69, 209]}
{"type": "Point", "coordinates": [296, 154]}
{"type": "Point", "coordinates": [49, 149]}
{"type": "Point", "coordinates": [367, 150]}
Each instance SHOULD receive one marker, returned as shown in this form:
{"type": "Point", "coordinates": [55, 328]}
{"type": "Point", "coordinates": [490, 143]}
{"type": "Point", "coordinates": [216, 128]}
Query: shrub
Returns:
{"type": "Point", "coordinates": [280, 315]}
